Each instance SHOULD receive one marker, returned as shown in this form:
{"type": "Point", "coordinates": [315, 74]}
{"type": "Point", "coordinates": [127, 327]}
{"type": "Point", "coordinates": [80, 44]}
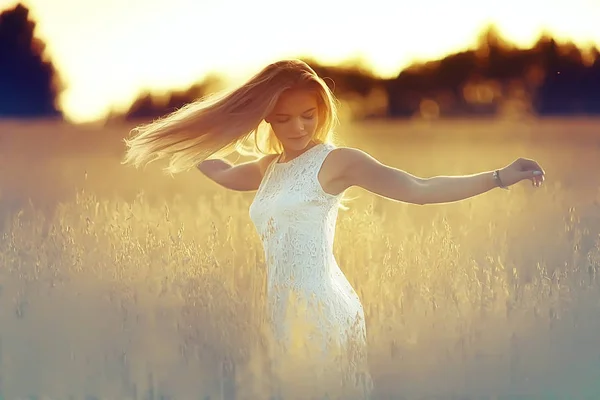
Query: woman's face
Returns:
{"type": "Point", "coordinates": [294, 118]}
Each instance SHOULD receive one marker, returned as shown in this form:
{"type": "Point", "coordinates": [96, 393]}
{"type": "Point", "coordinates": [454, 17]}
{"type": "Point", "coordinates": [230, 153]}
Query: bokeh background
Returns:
{"type": "Point", "coordinates": [118, 283]}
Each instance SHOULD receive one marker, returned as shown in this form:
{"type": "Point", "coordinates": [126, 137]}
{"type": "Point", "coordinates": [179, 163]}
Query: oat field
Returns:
{"type": "Point", "coordinates": [125, 284]}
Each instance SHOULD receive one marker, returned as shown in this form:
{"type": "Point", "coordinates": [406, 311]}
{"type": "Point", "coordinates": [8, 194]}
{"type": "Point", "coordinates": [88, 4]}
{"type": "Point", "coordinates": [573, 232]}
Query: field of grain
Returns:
{"type": "Point", "coordinates": [125, 284]}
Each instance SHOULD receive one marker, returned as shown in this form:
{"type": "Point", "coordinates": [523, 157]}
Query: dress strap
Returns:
{"type": "Point", "coordinates": [316, 163]}
{"type": "Point", "coordinates": [319, 157]}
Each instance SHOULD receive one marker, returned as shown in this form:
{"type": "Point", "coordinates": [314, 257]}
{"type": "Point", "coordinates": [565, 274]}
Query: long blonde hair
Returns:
{"type": "Point", "coordinates": [230, 120]}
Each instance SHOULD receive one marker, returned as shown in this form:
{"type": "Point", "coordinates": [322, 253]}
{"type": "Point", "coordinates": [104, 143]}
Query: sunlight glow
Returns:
{"type": "Point", "coordinates": [108, 51]}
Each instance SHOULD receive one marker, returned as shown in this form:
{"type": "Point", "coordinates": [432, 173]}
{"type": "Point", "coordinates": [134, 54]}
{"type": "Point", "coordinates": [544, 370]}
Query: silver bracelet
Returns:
{"type": "Point", "coordinates": [499, 183]}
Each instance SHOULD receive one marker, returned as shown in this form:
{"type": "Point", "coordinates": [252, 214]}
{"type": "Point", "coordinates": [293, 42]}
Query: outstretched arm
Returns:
{"type": "Point", "coordinates": [242, 177]}
{"type": "Point", "coordinates": [357, 168]}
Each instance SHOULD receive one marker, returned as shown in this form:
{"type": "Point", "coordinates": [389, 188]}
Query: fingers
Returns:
{"type": "Point", "coordinates": [537, 178]}
{"type": "Point", "coordinates": [533, 166]}
{"type": "Point", "coordinates": [530, 170]}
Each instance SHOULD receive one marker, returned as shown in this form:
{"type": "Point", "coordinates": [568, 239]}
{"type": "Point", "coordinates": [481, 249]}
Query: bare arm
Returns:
{"type": "Point", "coordinates": [242, 177]}
{"type": "Point", "coordinates": [356, 168]}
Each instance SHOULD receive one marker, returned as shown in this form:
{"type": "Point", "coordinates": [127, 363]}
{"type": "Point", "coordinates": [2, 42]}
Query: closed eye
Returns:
{"type": "Point", "coordinates": [308, 114]}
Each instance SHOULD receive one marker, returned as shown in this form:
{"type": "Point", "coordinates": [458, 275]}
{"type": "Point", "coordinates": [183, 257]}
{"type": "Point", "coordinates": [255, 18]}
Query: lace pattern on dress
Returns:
{"type": "Point", "coordinates": [316, 317]}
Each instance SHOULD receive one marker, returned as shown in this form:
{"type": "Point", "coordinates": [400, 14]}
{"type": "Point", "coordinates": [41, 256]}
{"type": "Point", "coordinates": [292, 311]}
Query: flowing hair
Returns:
{"type": "Point", "coordinates": [232, 120]}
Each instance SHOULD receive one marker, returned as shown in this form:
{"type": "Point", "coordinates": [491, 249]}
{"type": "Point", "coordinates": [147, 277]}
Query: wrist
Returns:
{"type": "Point", "coordinates": [497, 176]}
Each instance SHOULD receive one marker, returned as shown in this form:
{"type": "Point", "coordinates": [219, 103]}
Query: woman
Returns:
{"type": "Point", "coordinates": [286, 115]}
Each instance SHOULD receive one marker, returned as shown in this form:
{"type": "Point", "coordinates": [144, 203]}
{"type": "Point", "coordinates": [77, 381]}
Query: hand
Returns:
{"type": "Point", "coordinates": [522, 169]}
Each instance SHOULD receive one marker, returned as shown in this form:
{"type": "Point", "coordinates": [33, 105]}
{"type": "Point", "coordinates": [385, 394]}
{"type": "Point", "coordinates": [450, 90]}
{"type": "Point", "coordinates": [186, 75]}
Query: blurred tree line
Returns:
{"type": "Point", "coordinates": [29, 84]}
{"type": "Point", "coordinates": [495, 78]}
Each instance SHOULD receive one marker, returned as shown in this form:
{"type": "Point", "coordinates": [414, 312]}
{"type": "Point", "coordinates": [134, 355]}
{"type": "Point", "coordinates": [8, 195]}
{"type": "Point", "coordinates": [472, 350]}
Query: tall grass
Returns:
{"type": "Point", "coordinates": [160, 297]}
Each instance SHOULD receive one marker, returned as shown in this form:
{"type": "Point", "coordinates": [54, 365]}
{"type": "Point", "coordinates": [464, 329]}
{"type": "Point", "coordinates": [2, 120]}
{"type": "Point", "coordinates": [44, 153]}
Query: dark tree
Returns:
{"type": "Point", "coordinates": [29, 85]}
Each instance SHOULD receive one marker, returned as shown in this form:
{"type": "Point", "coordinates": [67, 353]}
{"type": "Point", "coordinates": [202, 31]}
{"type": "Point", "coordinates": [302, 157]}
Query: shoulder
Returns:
{"type": "Point", "coordinates": [267, 159]}
{"type": "Point", "coordinates": [344, 167]}
{"type": "Point", "coordinates": [264, 162]}
{"type": "Point", "coordinates": [344, 158]}
{"type": "Point", "coordinates": [345, 163]}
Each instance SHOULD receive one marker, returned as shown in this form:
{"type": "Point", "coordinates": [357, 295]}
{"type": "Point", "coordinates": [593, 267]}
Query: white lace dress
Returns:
{"type": "Point", "coordinates": [316, 319]}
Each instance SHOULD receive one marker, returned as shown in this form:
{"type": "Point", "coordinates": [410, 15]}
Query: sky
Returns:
{"type": "Point", "coordinates": [108, 51]}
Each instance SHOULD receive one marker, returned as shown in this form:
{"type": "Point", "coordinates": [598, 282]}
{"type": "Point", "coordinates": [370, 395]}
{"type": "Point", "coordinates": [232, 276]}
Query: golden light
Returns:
{"type": "Point", "coordinates": [108, 51]}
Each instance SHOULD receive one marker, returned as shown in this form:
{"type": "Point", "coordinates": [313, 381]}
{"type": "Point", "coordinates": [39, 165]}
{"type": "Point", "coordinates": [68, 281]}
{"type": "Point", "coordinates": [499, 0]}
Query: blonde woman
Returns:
{"type": "Point", "coordinates": [286, 115]}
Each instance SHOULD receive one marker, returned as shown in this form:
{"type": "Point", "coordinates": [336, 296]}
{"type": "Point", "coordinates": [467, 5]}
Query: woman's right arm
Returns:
{"type": "Point", "coordinates": [242, 177]}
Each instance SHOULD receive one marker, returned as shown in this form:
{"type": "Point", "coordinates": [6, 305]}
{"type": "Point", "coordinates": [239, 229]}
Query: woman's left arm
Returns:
{"type": "Point", "coordinates": [357, 168]}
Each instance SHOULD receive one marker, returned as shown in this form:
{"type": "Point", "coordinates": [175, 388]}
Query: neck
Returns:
{"type": "Point", "coordinates": [290, 154]}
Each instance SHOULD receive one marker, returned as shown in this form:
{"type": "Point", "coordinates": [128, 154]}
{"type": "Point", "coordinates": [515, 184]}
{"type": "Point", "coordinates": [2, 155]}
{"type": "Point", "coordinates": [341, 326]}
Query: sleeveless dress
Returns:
{"type": "Point", "coordinates": [317, 327]}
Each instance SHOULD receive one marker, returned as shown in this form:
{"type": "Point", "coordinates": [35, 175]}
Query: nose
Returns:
{"type": "Point", "coordinates": [299, 125]}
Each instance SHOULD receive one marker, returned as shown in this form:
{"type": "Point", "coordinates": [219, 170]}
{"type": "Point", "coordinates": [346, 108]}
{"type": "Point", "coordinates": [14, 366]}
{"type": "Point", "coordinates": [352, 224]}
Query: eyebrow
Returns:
{"type": "Point", "coordinates": [304, 112]}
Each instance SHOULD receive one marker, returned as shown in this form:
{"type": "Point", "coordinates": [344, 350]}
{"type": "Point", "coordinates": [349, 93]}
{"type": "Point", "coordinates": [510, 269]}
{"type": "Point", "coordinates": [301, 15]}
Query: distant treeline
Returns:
{"type": "Point", "coordinates": [496, 78]}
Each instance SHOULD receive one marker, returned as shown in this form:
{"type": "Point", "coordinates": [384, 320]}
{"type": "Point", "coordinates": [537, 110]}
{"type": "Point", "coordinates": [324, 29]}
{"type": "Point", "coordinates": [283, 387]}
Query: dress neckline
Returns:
{"type": "Point", "coordinates": [277, 162]}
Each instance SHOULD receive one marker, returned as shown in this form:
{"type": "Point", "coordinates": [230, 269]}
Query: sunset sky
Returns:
{"type": "Point", "coordinates": [107, 51]}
